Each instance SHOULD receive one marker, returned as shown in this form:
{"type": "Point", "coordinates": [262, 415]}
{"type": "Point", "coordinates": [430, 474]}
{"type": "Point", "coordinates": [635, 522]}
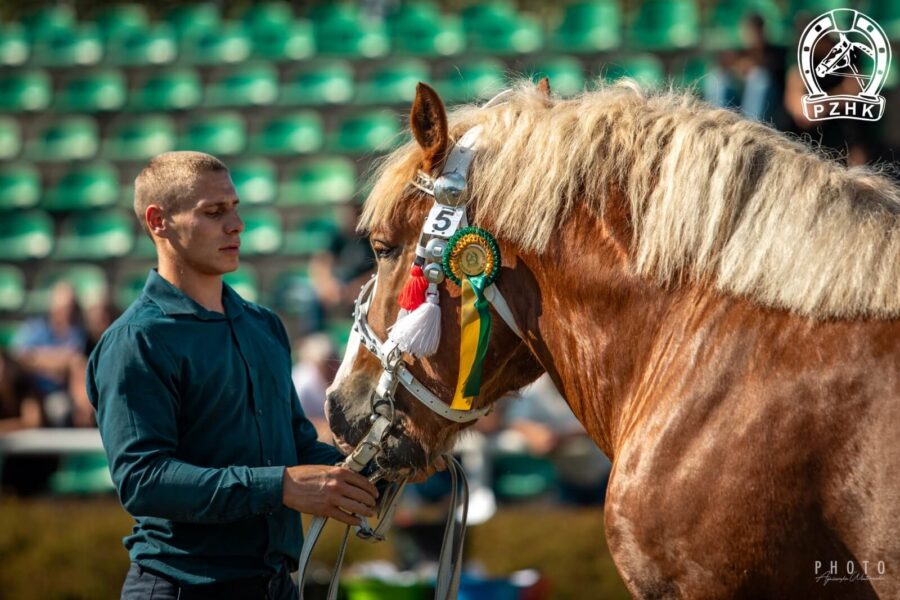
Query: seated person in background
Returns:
{"type": "Point", "coordinates": [98, 316]}
{"type": "Point", "coordinates": [317, 363]}
{"type": "Point", "coordinates": [20, 404]}
{"type": "Point", "coordinates": [51, 350]}
{"type": "Point", "coordinates": [338, 273]}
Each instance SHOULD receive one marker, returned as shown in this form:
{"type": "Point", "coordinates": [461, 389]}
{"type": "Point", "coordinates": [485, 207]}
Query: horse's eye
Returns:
{"type": "Point", "coordinates": [383, 251]}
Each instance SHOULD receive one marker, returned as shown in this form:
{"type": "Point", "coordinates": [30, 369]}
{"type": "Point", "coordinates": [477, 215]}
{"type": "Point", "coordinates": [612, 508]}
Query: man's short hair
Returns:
{"type": "Point", "coordinates": [169, 181]}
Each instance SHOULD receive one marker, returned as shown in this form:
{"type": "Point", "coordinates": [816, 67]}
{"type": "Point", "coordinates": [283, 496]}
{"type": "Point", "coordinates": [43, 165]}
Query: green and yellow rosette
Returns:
{"type": "Point", "coordinates": [472, 261]}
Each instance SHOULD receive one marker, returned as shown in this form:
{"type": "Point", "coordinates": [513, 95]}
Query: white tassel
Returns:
{"type": "Point", "coordinates": [419, 331]}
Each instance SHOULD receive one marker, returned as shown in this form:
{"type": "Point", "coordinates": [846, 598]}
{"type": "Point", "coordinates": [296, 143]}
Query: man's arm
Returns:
{"type": "Point", "coordinates": [132, 384]}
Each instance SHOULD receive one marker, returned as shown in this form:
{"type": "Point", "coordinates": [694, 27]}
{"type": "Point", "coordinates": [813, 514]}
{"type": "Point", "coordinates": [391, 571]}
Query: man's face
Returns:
{"type": "Point", "coordinates": [206, 234]}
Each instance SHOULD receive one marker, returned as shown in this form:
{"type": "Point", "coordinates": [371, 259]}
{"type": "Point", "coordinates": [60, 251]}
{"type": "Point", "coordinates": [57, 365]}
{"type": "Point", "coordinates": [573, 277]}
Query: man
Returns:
{"type": "Point", "coordinates": [208, 446]}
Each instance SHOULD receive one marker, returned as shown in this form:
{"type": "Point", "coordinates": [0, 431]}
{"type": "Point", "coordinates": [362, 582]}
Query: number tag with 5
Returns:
{"type": "Point", "coordinates": [444, 220]}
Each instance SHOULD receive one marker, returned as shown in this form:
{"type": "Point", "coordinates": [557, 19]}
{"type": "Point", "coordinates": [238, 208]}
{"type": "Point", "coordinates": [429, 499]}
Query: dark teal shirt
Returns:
{"type": "Point", "coordinates": [199, 418]}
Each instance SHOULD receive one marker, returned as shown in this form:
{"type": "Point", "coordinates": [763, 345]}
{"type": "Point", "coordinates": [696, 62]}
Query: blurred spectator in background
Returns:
{"type": "Point", "coordinates": [98, 316]}
{"type": "Point", "coordinates": [317, 363]}
{"type": "Point", "coordinates": [20, 403]}
{"type": "Point", "coordinates": [51, 350]}
{"type": "Point", "coordinates": [338, 273]}
{"type": "Point", "coordinates": [751, 78]}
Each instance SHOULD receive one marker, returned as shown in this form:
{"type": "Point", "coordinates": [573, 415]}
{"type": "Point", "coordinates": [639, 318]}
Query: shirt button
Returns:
{"type": "Point", "coordinates": [269, 462]}
{"type": "Point", "coordinates": [259, 412]}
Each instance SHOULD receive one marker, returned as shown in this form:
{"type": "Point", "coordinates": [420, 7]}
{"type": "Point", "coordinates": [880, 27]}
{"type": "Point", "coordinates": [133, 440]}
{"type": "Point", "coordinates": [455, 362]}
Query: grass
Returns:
{"type": "Point", "coordinates": [72, 549]}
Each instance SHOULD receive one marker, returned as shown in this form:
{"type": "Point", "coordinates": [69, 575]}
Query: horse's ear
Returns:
{"type": "Point", "coordinates": [544, 86]}
{"type": "Point", "coordinates": [428, 121]}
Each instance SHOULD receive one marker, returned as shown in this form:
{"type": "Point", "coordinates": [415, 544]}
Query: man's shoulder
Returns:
{"type": "Point", "coordinates": [143, 317]}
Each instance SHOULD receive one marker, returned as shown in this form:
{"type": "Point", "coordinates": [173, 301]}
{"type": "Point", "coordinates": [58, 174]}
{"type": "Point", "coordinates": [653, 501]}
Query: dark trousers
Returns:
{"type": "Point", "coordinates": [141, 584]}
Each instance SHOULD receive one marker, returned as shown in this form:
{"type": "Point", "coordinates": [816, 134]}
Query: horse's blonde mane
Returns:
{"type": "Point", "coordinates": [712, 195]}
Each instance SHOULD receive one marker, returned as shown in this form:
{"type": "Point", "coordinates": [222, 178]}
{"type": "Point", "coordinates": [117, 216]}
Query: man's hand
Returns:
{"type": "Point", "coordinates": [327, 491]}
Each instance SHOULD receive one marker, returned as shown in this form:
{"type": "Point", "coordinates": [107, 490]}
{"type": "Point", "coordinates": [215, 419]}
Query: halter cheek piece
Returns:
{"type": "Point", "coordinates": [447, 216]}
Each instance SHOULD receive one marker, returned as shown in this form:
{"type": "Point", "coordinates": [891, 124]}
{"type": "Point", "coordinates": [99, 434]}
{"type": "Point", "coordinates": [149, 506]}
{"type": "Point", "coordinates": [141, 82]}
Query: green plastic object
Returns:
{"type": "Point", "coordinates": [323, 180]}
{"type": "Point", "coordinates": [14, 46]}
{"type": "Point", "coordinates": [191, 19]}
{"type": "Point", "coordinates": [96, 235]}
{"type": "Point", "coordinates": [311, 236]}
{"type": "Point", "coordinates": [319, 82]}
{"type": "Point", "coordinates": [117, 20]}
{"type": "Point", "coordinates": [375, 589]}
{"type": "Point", "coordinates": [646, 69]}
{"type": "Point", "coordinates": [93, 91]}
{"type": "Point", "coordinates": [267, 15]}
{"type": "Point", "coordinates": [84, 187]}
{"type": "Point", "coordinates": [89, 282]}
{"type": "Point", "coordinates": [247, 85]}
{"type": "Point", "coordinates": [20, 186]}
{"type": "Point", "coordinates": [82, 473]}
{"type": "Point", "coordinates": [171, 89]}
{"type": "Point", "coordinates": [25, 90]}
{"type": "Point", "coordinates": [129, 286]}
{"type": "Point", "coordinates": [691, 72]}
{"type": "Point", "coordinates": [78, 47]}
{"type": "Point", "coordinates": [565, 72]}
{"type": "Point", "coordinates": [887, 14]}
{"type": "Point", "coordinates": [10, 138]}
{"type": "Point", "coordinates": [498, 30]}
{"type": "Point", "coordinates": [156, 45]}
{"type": "Point", "coordinates": [140, 138]}
{"type": "Point", "coordinates": [522, 477]}
{"type": "Point", "coordinates": [352, 35]}
{"type": "Point", "coordinates": [723, 30]}
{"type": "Point", "coordinates": [262, 232]}
{"type": "Point", "coordinates": [216, 133]}
{"type": "Point", "coordinates": [593, 26]}
{"type": "Point", "coordinates": [25, 235]}
{"type": "Point", "coordinates": [245, 282]}
{"type": "Point", "coordinates": [293, 133]}
{"type": "Point", "coordinates": [367, 132]}
{"type": "Point", "coordinates": [66, 138]}
{"type": "Point", "coordinates": [420, 29]}
{"type": "Point", "coordinates": [661, 25]}
{"type": "Point", "coordinates": [472, 79]}
{"type": "Point", "coordinates": [254, 180]}
{"type": "Point", "coordinates": [46, 20]}
{"type": "Point", "coordinates": [293, 41]}
{"type": "Point", "coordinates": [393, 82]}
{"type": "Point", "coordinates": [12, 288]}
{"type": "Point", "coordinates": [229, 43]}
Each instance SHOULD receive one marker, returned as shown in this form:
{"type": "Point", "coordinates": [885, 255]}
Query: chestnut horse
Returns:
{"type": "Point", "coordinates": [717, 303]}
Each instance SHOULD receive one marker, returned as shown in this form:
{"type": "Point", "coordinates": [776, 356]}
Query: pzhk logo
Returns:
{"type": "Point", "coordinates": [860, 53]}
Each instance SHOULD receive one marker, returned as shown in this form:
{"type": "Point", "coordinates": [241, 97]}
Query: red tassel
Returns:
{"type": "Point", "coordinates": [413, 293]}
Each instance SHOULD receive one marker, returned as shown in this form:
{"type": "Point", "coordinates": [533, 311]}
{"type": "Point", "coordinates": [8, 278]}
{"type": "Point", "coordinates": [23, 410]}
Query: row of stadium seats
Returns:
{"type": "Point", "coordinates": [113, 233]}
{"type": "Point", "coordinates": [198, 34]}
{"type": "Point", "coordinates": [314, 83]}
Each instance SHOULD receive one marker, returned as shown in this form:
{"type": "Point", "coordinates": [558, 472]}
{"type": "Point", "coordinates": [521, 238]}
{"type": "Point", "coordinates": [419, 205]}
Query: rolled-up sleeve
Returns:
{"type": "Point", "coordinates": [132, 383]}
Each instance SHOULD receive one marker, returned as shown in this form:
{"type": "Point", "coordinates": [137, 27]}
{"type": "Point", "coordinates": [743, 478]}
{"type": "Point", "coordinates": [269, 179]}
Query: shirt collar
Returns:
{"type": "Point", "coordinates": [173, 301]}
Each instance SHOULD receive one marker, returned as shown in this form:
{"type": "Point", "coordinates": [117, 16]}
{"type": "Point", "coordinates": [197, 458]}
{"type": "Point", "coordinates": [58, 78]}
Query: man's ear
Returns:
{"type": "Point", "coordinates": [428, 122]}
{"type": "Point", "coordinates": [156, 220]}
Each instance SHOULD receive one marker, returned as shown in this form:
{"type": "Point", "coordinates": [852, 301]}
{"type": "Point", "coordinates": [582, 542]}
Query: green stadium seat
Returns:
{"type": "Point", "coordinates": [46, 20]}
{"type": "Point", "coordinates": [216, 133]}
{"type": "Point", "coordinates": [565, 73]}
{"type": "Point", "coordinates": [294, 133]}
{"type": "Point", "coordinates": [10, 139]}
{"type": "Point", "coordinates": [172, 89]}
{"type": "Point", "coordinates": [319, 82]}
{"type": "Point", "coordinates": [322, 180]}
{"type": "Point", "coordinates": [292, 292]}
{"type": "Point", "coordinates": [367, 132]}
{"type": "Point", "coordinates": [522, 477]}
{"type": "Point", "coordinates": [393, 82]}
{"type": "Point", "coordinates": [497, 29]}
{"type": "Point", "coordinates": [88, 280]}
{"type": "Point", "coordinates": [471, 79]}
{"type": "Point", "coordinates": [140, 138]}
{"type": "Point", "coordinates": [95, 235]}
{"type": "Point", "coordinates": [12, 288]}
{"type": "Point", "coordinates": [92, 91]}
{"type": "Point", "coordinates": [227, 44]}
{"type": "Point", "coordinates": [84, 186]}
{"type": "Point", "coordinates": [592, 26]}
{"type": "Point", "coordinates": [255, 180]}
{"type": "Point", "coordinates": [814, 8]}
{"type": "Point", "coordinates": [129, 286]}
{"type": "Point", "coordinates": [665, 25]}
{"type": "Point", "coordinates": [69, 48]}
{"type": "Point", "coordinates": [193, 19]}
{"type": "Point", "coordinates": [887, 14]}
{"type": "Point", "coordinates": [421, 29]}
{"type": "Point", "coordinates": [24, 90]}
{"type": "Point", "coordinates": [262, 232]}
{"type": "Point", "coordinates": [143, 247]}
{"type": "Point", "coordinates": [66, 138]}
{"type": "Point", "coordinates": [267, 15]}
{"type": "Point", "coordinates": [82, 473]}
{"type": "Point", "coordinates": [690, 72]}
{"type": "Point", "coordinates": [156, 45]}
{"type": "Point", "coordinates": [25, 235]}
{"type": "Point", "coordinates": [245, 282]}
{"type": "Point", "coordinates": [14, 48]}
{"type": "Point", "coordinates": [20, 186]}
{"type": "Point", "coordinates": [311, 235]}
{"type": "Point", "coordinates": [293, 41]}
{"type": "Point", "coordinates": [248, 85]}
{"type": "Point", "coordinates": [339, 332]}
{"type": "Point", "coordinates": [351, 34]}
{"type": "Point", "coordinates": [646, 69]}
{"type": "Point", "coordinates": [118, 20]}
{"type": "Point", "coordinates": [8, 331]}
{"type": "Point", "coordinates": [724, 28]}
